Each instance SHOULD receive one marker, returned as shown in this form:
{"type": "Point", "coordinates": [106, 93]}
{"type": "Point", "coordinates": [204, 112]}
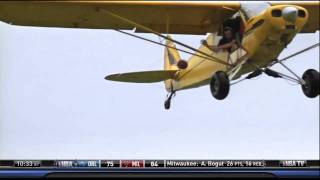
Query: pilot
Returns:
{"type": "Point", "coordinates": [227, 43]}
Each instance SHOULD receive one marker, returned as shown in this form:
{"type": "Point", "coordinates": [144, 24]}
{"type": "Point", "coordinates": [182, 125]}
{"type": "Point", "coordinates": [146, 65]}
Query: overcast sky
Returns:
{"type": "Point", "coordinates": [55, 103]}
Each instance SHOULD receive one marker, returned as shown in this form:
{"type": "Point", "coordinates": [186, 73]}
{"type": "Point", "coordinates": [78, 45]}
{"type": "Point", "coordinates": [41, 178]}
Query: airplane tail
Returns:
{"type": "Point", "coordinates": [171, 58]}
{"type": "Point", "coordinates": [172, 64]}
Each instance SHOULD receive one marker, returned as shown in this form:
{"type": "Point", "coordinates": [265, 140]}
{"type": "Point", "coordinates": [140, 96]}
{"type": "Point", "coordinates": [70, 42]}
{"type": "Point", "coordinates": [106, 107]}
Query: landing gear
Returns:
{"type": "Point", "coordinates": [311, 83]}
{"type": "Point", "coordinates": [167, 102]}
{"type": "Point", "coordinates": [220, 85]}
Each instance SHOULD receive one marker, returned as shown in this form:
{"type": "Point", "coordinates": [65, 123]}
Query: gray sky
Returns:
{"type": "Point", "coordinates": [55, 103]}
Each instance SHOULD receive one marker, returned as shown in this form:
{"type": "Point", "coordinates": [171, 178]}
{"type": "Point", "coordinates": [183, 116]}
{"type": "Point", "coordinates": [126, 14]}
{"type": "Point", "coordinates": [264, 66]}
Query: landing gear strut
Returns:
{"type": "Point", "coordinates": [309, 82]}
{"type": "Point", "coordinates": [167, 102]}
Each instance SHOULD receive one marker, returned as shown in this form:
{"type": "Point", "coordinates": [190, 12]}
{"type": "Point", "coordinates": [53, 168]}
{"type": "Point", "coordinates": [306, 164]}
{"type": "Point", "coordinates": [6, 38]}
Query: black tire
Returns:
{"type": "Point", "coordinates": [167, 104]}
{"type": "Point", "coordinates": [311, 86]}
{"type": "Point", "coordinates": [220, 85]}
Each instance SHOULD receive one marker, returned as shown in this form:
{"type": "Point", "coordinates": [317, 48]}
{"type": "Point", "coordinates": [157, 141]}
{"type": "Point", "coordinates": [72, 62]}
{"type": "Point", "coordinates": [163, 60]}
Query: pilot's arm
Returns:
{"type": "Point", "coordinates": [211, 47]}
{"type": "Point", "coordinates": [227, 45]}
{"type": "Point", "coordinates": [220, 46]}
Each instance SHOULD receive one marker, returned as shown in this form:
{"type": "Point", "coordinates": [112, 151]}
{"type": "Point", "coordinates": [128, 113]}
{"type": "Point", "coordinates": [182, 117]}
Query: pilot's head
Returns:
{"type": "Point", "coordinates": [227, 32]}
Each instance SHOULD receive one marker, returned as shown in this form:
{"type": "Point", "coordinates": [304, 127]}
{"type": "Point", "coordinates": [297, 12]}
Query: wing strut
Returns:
{"type": "Point", "coordinates": [164, 45]}
{"type": "Point", "coordinates": [295, 54]}
{"type": "Point", "coordinates": [165, 37]}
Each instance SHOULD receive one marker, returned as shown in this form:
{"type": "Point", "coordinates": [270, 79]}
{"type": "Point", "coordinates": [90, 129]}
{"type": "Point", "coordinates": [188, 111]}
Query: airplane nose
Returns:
{"type": "Point", "coordinates": [290, 14]}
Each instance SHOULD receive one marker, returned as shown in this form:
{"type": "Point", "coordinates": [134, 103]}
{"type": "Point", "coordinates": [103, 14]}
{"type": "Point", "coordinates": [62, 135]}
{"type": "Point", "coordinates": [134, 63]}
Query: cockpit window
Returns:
{"type": "Point", "coordinates": [252, 9]}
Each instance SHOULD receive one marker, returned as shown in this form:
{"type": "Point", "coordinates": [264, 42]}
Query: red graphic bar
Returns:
{"type": "Point", "coordinates": [132, 164]}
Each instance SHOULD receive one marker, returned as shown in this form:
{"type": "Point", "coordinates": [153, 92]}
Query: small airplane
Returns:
{"type": "Point", "coordinates": [262, 30]}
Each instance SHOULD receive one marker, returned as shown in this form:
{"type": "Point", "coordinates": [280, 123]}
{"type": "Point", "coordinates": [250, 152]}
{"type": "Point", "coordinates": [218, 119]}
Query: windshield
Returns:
{"type": "Point", "coordinates": [251, 9]}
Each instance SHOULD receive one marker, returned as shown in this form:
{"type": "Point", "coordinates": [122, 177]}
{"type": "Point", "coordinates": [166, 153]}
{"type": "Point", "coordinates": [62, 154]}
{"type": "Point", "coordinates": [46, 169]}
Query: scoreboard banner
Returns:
{"type": "Point", "coordinates": [159, 168]}
{"type": "Point", "coordinates": [127, 164]}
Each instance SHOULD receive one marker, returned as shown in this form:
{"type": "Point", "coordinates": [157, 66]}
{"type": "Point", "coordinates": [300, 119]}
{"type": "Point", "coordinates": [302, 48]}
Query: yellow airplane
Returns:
{"type": "Point", "coordinates": [262, 30]}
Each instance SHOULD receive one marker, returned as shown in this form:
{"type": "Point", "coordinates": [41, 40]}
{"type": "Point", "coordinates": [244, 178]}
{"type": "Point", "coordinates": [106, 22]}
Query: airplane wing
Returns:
{"type": "Point", "coordinates": [313, 8]}
{"type": "Point", "coordinates": [173, 17]}
{"type": "Point", "coordinates": [143, 76]}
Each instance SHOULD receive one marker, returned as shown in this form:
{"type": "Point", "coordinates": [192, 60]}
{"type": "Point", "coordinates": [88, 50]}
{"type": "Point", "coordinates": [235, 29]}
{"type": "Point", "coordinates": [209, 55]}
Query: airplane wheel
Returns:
{"type": "Point", "coordinates": [167, 104]}
{"type": "Point", "coordinates": [311, 86]}
{"type": "Point", "coordinates": [220, 85]}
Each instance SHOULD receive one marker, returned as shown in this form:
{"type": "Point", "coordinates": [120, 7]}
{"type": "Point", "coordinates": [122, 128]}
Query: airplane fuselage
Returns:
{"type": "Point", "coordinates": [264, 38]}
